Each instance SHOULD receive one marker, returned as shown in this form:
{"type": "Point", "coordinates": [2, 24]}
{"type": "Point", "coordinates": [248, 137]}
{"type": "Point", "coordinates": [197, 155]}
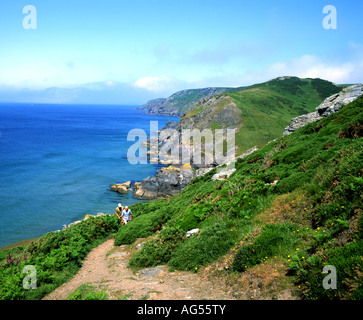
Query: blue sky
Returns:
{"type": "Point", "coordinates": [115, 51]}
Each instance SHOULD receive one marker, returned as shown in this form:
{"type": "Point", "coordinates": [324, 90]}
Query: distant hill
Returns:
{"type": "Point", "coordinates": [259, 112]}
{"type": "Point", "coordinates": [180, 102]}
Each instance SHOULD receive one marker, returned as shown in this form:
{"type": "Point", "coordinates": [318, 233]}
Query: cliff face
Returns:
{"type": "Point", "coordinates": [215, 112]}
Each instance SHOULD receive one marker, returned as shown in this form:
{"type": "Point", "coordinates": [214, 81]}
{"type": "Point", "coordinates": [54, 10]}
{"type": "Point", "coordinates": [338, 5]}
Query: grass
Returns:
{"type": "Point", "coordinates": [267, 108]}
{"type": "Point", "coordinates": [19, 244]}
{"type": "Point", "coordinates": [88, 292]}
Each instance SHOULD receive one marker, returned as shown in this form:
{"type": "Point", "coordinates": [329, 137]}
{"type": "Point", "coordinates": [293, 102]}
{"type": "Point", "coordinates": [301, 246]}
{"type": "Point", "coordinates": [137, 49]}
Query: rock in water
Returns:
{"type": "Point", "coordinates": [168, 181]}
{"type": "Point", "coordinates": [121, 187]}
{"type": "Point", "coordinates": [330, 105]}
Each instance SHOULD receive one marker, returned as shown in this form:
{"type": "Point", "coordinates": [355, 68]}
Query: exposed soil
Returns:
{"type": "Point", "coordinates": [106, 268]}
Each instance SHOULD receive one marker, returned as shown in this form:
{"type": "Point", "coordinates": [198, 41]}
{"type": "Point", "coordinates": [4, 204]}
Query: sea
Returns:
{"type": "Point", "coordinates": [57, 163]}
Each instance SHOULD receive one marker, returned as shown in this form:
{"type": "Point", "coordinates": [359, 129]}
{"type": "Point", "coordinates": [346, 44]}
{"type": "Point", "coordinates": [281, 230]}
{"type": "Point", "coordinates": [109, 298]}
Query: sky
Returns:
{"type": "Point", "coordinates": [128, 52]}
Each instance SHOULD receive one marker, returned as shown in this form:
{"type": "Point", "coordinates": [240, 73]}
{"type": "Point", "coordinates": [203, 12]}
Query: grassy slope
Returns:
{"type": "Point", "coordinates": [267, 108]}
{"type": "Point", "coordinates": [311, 218]}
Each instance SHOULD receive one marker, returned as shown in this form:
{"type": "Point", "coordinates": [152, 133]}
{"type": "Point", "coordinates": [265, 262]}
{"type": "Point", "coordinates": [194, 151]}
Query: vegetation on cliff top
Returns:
{"type": "Point", "coordinates": [266, 108]}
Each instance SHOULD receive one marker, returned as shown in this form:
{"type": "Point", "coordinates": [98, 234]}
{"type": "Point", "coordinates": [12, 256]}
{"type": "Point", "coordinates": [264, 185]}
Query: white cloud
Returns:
{"type": "Point", "coordinates": [311, 66]}
{"type": "Point", "coordinates": [155, 84]}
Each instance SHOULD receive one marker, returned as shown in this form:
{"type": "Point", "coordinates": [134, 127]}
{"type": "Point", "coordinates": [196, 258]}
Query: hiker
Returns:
{"type": "Point", "coordinates": [126, 215]}
{"type": "Point", "coordinates": [119, 210]}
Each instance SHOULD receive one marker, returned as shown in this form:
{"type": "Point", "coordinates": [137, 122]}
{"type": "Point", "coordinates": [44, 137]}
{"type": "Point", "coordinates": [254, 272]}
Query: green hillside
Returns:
{"type": "Point", "coordinates": [252, 234]}
{"type": "Point", "coordinates": [266, 109]}
{"type": "Point", "coordinates": [311, 218]}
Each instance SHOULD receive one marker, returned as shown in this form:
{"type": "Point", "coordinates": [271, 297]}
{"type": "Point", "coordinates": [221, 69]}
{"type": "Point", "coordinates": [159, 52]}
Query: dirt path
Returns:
{"type": "Point", "coordinates": [106, 268]}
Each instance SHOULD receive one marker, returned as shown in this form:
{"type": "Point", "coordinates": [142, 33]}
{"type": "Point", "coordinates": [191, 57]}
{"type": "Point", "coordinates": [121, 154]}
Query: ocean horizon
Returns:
{"type": "Point", "coordinates": [57, 163]}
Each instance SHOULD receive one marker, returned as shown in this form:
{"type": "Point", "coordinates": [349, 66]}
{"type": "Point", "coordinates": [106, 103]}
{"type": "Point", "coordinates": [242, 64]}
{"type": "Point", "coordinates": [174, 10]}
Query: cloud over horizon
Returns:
{"type": "Point", "coordinates": [145, 49]}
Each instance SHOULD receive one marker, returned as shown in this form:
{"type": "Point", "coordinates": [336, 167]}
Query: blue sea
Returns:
{"type": "Point", "coordinates": [57, 163]}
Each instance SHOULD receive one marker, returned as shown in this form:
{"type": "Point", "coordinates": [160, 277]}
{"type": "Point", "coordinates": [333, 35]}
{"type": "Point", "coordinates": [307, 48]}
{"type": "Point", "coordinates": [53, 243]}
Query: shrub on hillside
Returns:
{"type": "Point", "coordinates": [56, 257]}
{"type": "Point", "coordinates": [142, 226]}
{"type": "Point", "coordinates": [348, 263]}
{"type": "Point", "coordinates": [273, 240]}
{"type": "Point", "coordinates": [213, 241]}
{"type": "Point", "coordinates": [160, 249]}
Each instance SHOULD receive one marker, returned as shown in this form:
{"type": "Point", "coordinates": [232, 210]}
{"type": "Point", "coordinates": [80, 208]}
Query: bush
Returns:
{"type": "Point", "coordinates": [273, 240]}
{"type": "Point", "coordinates": [214, 240]}
{"type": "Point", "coordinates": [87, 292]}
{"type": "Point", "coordinates": [143, 226]}
{"type": "Point", "coordinates": [57, 256]}
{"type": "Point", "coordinates": [349, 266]}
{"type": "Point", "coordinates": [160, 249]}
{"type": "Point", "coordinates": [194, 215]}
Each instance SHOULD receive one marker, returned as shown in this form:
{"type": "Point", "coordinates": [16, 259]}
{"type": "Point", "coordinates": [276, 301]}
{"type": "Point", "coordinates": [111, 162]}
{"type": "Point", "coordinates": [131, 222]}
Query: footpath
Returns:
{"type": "Point", "coordinates": [105, 268]}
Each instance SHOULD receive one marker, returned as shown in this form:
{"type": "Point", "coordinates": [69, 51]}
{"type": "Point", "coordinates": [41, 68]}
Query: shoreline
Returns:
{"type": "Point", "coordinates": [98, 207]}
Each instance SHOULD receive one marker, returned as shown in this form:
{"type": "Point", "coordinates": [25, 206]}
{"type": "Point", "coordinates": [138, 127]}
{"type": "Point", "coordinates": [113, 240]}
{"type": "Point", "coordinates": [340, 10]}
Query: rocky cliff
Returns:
{"type": "Point", "coordinates": [168, 181]}
{"type": "Point", "coordinates": [212, 113]}
{"type": "Point", "coordinates": [258, 113]}
{"type": "Point", "coordinates": [330, 105]}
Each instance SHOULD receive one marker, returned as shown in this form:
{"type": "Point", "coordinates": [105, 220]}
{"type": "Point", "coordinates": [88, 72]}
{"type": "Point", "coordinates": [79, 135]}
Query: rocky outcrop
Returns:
{"type": "Point", "coordinates": [220, 110]}
{"type": "Point", "coordinates": [330, 105]}
{"type": "Point", "coordinates": [121, 187]}
{"type": "Point", "coordinates": [168, 181]}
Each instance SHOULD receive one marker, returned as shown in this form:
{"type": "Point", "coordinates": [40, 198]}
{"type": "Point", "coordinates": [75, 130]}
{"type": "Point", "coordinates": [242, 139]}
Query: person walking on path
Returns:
{"type": "Point", "coordinates": [126, 215]}
{"type": "Point", "coordinates": [118, 211]}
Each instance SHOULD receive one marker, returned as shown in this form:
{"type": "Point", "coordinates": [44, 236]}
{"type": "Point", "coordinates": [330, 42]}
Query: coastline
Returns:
{"type": "Point", "coordinates": [26, 241]}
